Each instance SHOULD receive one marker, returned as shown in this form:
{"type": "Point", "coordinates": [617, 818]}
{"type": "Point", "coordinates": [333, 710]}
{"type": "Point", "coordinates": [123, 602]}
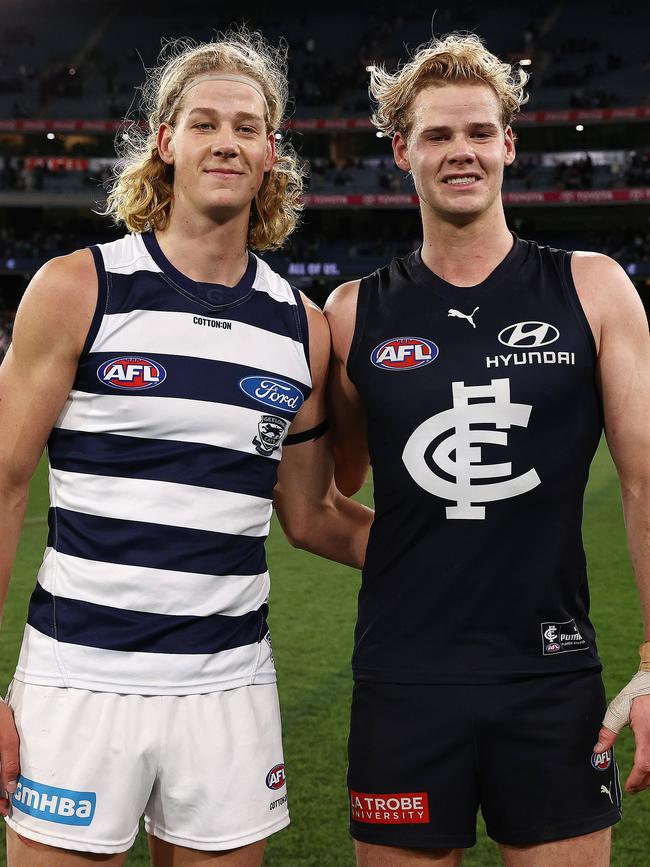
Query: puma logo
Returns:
{"type": "Point", "coordinates": [604, 790]}
{"type": "Point", "coordinates": [460, 315]}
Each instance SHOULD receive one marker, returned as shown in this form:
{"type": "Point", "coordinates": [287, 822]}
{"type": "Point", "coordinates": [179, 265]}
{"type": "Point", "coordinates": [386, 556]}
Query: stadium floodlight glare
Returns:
{"type": "Point", "coordinates": [50, 136]}
{"type": "Point", "coordinates": [72, 71]}
{"type": "Point", "coordinates": [579, 127]}
{"type": "Point", "coordinates": [278, 136]}
{"type": "Point", "coordinates": [379, 134]}
{"type": "Point", "coordinates": [525, 61]}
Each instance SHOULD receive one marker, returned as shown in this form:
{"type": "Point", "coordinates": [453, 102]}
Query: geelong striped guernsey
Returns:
{"type": "Point", "coordinates": [162, 468]}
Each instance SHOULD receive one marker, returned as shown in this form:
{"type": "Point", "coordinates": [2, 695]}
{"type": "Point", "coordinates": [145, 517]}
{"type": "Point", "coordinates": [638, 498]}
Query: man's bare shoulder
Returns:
{"type": "Point", "coordinates": [342, 303]}
{"type": "Point", "coordinates": [59, 303]}
{"type": "Point", "coordinates": [608, 296]}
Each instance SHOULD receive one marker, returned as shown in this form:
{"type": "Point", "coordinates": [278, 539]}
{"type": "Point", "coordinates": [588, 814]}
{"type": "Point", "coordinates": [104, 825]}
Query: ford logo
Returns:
{"type": "Point", "coordinates": [273, 392]}
{"type": "Point", "coordinates": [529, 335]}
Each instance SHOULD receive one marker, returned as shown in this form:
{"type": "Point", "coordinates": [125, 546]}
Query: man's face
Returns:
{"type": "Point", "coordinates": [219, 148]}
{"type": "Point", "coordinates": [456, 149]}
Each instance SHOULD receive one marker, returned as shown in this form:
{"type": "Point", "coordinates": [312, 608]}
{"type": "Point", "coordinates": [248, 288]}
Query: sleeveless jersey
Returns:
{"type": "Point", "coordinates": [483, 417]}
{"type": "Point", "coordinates": [162, 468]}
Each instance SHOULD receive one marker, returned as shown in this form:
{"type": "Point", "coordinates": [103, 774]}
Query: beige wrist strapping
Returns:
{"type": "Point", "coordinates": [618, 712]}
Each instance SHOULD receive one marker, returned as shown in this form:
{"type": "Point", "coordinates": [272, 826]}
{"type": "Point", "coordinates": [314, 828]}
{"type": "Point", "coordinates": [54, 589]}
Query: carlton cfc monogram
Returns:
{"type": "Point", "coordinates": [492, 406]}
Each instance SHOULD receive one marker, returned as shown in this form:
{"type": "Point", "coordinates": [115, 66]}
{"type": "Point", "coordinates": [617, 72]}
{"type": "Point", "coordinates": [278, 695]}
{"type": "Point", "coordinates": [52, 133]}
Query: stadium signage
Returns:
{"type": "Point", "coordinates": [402, 808]}
{"type": "Point", "coordinates": [404, 353]}
{"type": "Point", "coordinates": [273, 392]}
{"type": "Point", "coordinates": [63, 806]}
{"type": "Point", "coordinates": [131, 373]}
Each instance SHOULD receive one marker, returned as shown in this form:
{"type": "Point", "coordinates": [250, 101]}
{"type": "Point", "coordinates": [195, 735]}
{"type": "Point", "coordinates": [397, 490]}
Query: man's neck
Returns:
{"type": "Point", "coordinates": [465, 255]}
{"type": "Point", "coordinates": [205, 251]}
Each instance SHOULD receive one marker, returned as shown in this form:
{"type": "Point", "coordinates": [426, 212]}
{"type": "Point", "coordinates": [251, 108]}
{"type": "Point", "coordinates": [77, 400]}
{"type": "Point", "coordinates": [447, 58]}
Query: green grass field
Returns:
{"type": "Point", "coordinates": [312, 617]}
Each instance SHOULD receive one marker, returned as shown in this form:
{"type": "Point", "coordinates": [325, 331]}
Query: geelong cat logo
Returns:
{"type": "Point", "coordinates": [273, 392]}
{"type": "Point", "coordinates": [131, 372]}
{"type": "Point", "coordinates": [404, 353]}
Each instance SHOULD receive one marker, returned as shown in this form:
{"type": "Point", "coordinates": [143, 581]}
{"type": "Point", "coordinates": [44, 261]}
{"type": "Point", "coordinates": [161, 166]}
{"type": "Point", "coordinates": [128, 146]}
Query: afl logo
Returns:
{"type": "Point", "coordinates": [275, 777]}
{"type": "Point", "coordinates": [131, 372]}
{"type": "Point", "coordinates": [273, 392]}
{"type": "Point", "coordinates": [529, 334]}
{"type": "Point", "coordinates": [601, 761]}
{"type": "Point", "coordinates": [553, 647]}
{"type": "Point", "coordinates": [404, 353]}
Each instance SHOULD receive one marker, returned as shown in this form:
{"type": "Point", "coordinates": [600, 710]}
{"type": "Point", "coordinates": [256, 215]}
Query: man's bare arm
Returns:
{"type": "Point", "coordinates": [35, 379]}
{"type": "Point", "coordinates": [313, 513]}
{"type": "Point", "coordinates": [620, 328]}
{"type": "Point", "coordinates": [348, 416]}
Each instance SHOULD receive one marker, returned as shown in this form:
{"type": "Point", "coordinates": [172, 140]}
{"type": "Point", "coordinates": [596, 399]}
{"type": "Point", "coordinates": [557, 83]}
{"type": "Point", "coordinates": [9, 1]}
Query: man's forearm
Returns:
{"type": "Point", "coordinates": [636, 507]}
{"type": "Point", "coordinates": [13, 503]}
{"type": "Point", "coordinates": [337, 530]}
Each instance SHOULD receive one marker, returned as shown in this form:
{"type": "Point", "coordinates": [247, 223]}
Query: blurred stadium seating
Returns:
{"type": "Point", "coordinates": [581, 179]}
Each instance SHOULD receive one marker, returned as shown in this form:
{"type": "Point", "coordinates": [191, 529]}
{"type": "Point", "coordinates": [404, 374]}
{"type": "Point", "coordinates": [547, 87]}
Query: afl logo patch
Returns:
{"type": "Point", "coordinates": [275, 777]}
{"type": "Point", "coordinates": [553, 647]}
{"type": "Point", "coordinates": [601, 761]}
{"type": "Point", "coordinates": [273, 392]}
{"type": "Point", "coordinates": [528, 335]}
{"type": "Point", "coordinates": [404, 353]}
{"type": "Point", "coordinates": [131, 372]}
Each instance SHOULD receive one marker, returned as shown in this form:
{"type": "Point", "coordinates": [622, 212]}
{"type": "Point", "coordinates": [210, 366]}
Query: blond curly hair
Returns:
{"type": "Point", "coordinates": [458, 57]}
{"type": "Point", "coordinates": [141, 190]}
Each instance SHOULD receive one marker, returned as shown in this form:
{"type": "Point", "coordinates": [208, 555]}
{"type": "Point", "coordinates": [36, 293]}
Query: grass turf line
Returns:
{"type": "Point", "coordinates": [312, 616]}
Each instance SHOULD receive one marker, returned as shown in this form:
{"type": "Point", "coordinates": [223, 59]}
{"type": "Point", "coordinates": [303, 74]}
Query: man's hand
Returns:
{"type": "Point", "coordinates": [631, 707]}
{"type": "Point", "coordinates": [9, 761]}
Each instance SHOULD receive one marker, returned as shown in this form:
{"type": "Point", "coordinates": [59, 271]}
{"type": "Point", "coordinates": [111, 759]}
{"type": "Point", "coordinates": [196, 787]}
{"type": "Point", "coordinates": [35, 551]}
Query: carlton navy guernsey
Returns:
{"type": "Point", "coordinates": [483, 417]}
{"type": "Point", "coordinates": [162, 468]}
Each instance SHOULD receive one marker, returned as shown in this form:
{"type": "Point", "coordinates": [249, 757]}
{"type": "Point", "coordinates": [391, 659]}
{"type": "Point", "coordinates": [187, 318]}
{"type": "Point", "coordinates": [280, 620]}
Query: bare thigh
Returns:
{"type": "Point", "coordinates": [22, 852]}
{"type": "Point", "coordinates": [369, 855]}
{"type": "Point", "coordinates": [589, 850]}
{"type": "Point", "coordinates": [165, 854]}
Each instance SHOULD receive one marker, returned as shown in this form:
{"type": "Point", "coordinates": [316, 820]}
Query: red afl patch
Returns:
{"type": "Point", "coordinates": [404, 353]}
{"type": "Point", "coordinates": [131, 372]}
{"type": "Point", "coordinates": [400, 808]}
{"type": "Point", "coordinates": [275, 778]}
{"type": "Point", "coordinates": [601, 761]}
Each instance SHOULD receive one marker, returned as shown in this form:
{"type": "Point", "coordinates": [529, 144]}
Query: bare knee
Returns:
{"type": "Point", "coordinates": [370, 855]}
{"type": "Point", "coordinates": [23, 852]}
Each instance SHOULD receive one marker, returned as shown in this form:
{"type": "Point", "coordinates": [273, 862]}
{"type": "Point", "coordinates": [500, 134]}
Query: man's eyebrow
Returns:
{"type": "Point", "coordinates": [434, 129]}
{"type": "Point", "coordinates": [440, 130]}
{"type": "Point", "coordinates": [240, 115]}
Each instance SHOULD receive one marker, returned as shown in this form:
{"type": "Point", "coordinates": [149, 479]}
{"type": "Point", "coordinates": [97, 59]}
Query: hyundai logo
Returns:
{"type": "Point", "coordinates": [529, 334]}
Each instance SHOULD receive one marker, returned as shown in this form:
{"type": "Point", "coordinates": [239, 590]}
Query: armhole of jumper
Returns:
{"type": "Point", "coordinates": [574, 300]}
{"type": "Point", "coordinates": [302, 325]}
{"type": "Point", "coordinates": [363, 302]}
{"type": "Point", "coordinates": [102, 297]}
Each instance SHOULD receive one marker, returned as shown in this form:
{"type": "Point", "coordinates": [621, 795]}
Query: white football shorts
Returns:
{"type": "Point", "coordinates": [207, 771]}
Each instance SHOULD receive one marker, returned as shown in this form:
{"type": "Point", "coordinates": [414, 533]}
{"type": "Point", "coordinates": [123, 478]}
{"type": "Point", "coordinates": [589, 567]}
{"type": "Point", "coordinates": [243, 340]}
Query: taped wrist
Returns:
{"type": "Point", "coordinates": [620, 708]}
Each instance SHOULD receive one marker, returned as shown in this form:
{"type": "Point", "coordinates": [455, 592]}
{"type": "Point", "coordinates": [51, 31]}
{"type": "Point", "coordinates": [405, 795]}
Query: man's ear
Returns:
{"type": "Point", "coordinates": [164, 143]}
{"type": "Point", "coordinates": [269, 157]}
{"type": "Point", "coordinates": [400, 152]}
{"type": "Point", "coordinates": [511, 151]}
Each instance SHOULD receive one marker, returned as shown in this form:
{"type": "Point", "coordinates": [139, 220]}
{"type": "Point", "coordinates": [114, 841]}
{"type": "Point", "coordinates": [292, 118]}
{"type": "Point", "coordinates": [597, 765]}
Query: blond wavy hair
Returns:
{"type": "Point", "coordinates": [141, 191]}
{"type": "Point", "coordinates": [458, 57]}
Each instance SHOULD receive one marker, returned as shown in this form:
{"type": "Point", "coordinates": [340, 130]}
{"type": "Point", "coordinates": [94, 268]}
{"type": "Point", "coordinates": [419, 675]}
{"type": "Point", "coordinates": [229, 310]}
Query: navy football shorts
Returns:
{"type": "Point", "coordinates": [424, 757]}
